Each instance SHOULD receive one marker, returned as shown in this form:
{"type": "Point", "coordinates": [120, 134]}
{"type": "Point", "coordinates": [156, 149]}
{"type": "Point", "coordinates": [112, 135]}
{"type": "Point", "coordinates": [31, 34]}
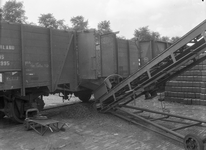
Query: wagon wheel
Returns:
{"type": "Point", "coordinates": [193, 142]}
{"type": "Point", "coordinates": [112, 80]}
{"type": "Point", "coordinates": [2, 114]}
{"type": "Point", "coordinates": [26, 125]}
{"type": "Point", "coordinates": [16, 111]}
{"type": "Point", "coordinates": [40, 103]}
{"type": "Point", "coordinates": [84, 96]}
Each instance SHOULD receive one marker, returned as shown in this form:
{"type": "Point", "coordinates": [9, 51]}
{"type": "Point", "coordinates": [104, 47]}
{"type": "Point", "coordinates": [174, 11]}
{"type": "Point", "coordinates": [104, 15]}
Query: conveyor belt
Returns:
{"type": "Point", "coordinates": [187, 51]}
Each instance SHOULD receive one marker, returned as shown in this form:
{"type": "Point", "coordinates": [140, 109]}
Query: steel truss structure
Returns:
{"type": "Point", "coordinates": [115, 93]}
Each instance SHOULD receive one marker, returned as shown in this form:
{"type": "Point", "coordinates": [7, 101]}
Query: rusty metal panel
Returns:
{"type": "Point", "coordinates": [159, 46]}
{"type": "Point", "coordinates": [108, 55]}
{"type": "Point", "coordinates": [36, 48]}
{"type": "Point", "coordinates": [145, 52]}
{"type": "Point", "coordinates": [151, 49]}
{"type": "Point", "coordinates": [32, 48]}
{"type": "Point", "coordinates": [10, 47]}
{"type": "Point", "coordinates": [134, 57]}
{"type": "Point", "coordinates": [63, 57]}
{"type": "Point", "coordinates": [98, 60]}
{"type": "Point", "coordinates": [123, 57]}
{"type": "Point", "coordinates": [118, 56]}
{"type": "Point", "coordinates": [10, 56]}
{"type": "Point", "coordinates": [87, 55]}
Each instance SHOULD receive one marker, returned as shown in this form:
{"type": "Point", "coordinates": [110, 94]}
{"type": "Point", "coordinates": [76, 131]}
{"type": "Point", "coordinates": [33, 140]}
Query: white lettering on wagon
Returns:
{"type": "Point", "coordinates": [36, 64]}
{"type": "Point", "coordinates": [4, 62]}
{"type": "Point", "coordinates": [7, 47]}
{"type": "Point", "coordinates": [1, 56]}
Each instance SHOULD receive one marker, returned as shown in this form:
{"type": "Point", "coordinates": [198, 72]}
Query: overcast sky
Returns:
{"type": "Point", "coordinates": [168, 17]}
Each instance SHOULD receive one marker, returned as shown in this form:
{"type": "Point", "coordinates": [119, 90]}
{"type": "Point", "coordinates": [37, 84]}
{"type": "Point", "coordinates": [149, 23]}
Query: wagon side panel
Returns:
{"type": "Point", "coordinates": [10, 58]}
{"type": "Point", "coordinates": [145, 51]}
{"type": "Point", "coordinates": [87, 55]}
{"type": "Point", "coordinates": [108, 55]}
{"type": "Point", "coordinates": [159, 46]}
{"type": "Point", "coordinates": [123, 57]}
{"type": "Point", "coordinates": [64, 58]}
{"type": "Point", "coordinates": [134, 57]}
{"type": "Point", "coordinates": [36, 56]}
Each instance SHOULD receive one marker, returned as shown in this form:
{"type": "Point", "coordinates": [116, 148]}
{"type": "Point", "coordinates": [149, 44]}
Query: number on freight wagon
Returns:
{"type": "Point", "coordinates": [1, 56]}
{"type": "Point", "coordinates": [4, 63]}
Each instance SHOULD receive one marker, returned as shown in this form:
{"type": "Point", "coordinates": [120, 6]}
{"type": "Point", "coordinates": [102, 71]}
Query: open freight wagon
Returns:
{"type": "Point", "coordinates": [36, 61]}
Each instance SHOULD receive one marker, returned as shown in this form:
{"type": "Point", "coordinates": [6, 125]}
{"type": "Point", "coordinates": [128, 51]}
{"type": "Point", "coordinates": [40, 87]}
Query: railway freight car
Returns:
{"type": "Point", "coordinates": [36, 61]}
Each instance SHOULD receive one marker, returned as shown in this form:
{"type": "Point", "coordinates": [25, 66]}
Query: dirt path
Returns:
{"type": "Point", "coordinates": [90, 130]}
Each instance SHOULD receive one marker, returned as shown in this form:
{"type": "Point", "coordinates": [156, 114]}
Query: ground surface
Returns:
{"type": "Point", "coordinates": [90, 130]}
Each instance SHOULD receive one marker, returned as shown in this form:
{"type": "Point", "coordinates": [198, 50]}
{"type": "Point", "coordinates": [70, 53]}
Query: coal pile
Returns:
{"type": "Point", "coordinates": [78, 110]}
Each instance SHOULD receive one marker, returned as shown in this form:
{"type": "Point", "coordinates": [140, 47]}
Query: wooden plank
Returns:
{"type": "Point", "coordinates": [35, 50]}
{"type": "Point", "coordinates": [22, 62]}
{"type": "Point", "coordinates": [128, 58]}
{"type": "Point", "coordinates": [62, 33]}
{"type": "Point", "coordinates": [123, 58]}
{"type": "Point", "coordinates": [10, 26]}
{"type": "Point", "coordinates": [10, 34]}
{"type": "Point", "coordinates": [36, 36]}
{"type": "Point", "coordinates": [9, 41]}
{"type": "Point", "coordinates": [37, 43]}
{"type": "Point", "coordinates": [51, 60]}
{"type": "Point", "coordinates": [60, 47]}
{"type": "Point", "coordinates": [64, 60]}
{"type": "Point", "coordinates": [61, 40]}
{"type": "Point", "coordinates": [36, 57]}
{"type": "Point", "coordinates": [35, 29]}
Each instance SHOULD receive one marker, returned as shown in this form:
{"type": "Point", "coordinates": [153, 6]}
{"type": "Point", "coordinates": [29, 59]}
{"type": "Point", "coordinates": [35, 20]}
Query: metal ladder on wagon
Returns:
{"type": "Point", "coordinates": [187, 51]}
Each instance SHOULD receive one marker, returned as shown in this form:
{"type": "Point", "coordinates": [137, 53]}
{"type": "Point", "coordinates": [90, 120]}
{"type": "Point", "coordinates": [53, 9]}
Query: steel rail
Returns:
{"type": "Point", "coordinates": [139, 124]}
{"type": "Point", "coordinates": [154, 124]}
{"type": "Point", "coordinates": [162, 113]}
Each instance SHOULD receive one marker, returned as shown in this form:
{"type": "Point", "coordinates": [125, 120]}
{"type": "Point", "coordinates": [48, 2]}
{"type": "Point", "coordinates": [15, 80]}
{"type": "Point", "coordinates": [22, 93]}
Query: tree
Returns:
{"type": "Point", "coordinates": [121, 37]}
{"type": "Point", "coordinates": [143, 33]}
{"type": "Point", "coordinates": [48, 21]}
{"type": "Point", "coordinates": [104, 27]}
{"type": "Point", "coordinates": [155, 36]}
{"type": "Point", "coordinates": [165, 39]}
{"type": "Point", "coordinates": [78, 23]}
{"type": "Point", "coordinates": [13, 12]}
{"type": "Point", "coordinates": [61, 25]}
{"type": "Point", "coordinates": [174, 39]}
{"type": "Point", "coordinates": [1, 12]}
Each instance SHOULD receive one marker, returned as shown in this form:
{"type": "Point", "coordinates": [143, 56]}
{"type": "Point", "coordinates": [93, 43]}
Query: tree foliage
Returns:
{"type": "Point", "coordinates": [48, 21]}
{"type": "Point", "coordinates": [145, 34]}
{"type": "Point", "coordinates": [14, 12]}
{"type": "Point", "coordinates": [104, 27]}
{"type": "Point", "coordinates": [165, 39]}
{"type": "Point", "coordinates": [174, 39]}
{"type": "Point", "coordinates": [78, 23]}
